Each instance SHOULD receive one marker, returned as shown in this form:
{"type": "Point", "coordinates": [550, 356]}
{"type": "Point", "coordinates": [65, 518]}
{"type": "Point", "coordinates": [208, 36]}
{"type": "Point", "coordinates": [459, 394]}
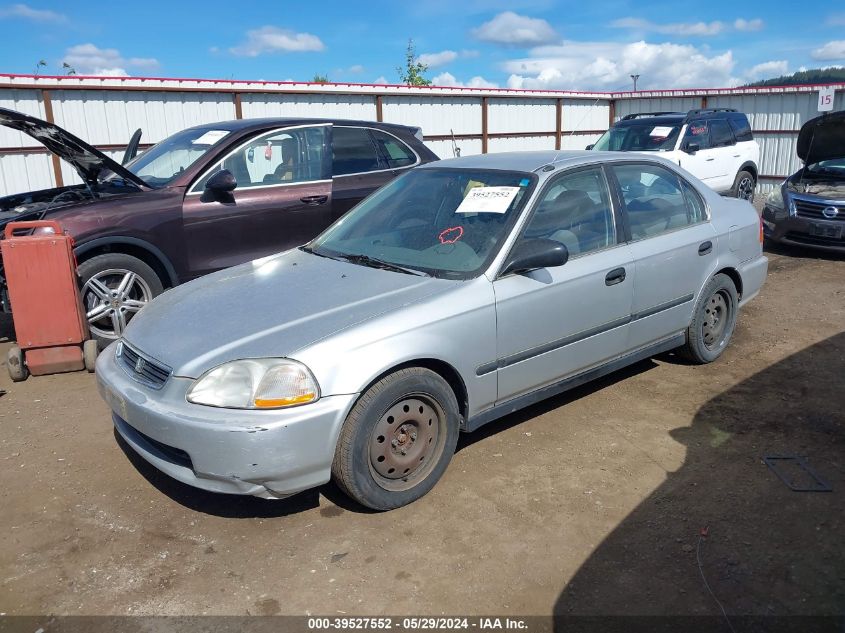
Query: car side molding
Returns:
{"type": "Point", "coordinates": [515, 404]}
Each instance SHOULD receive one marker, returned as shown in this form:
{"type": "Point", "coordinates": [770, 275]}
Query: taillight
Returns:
{"type": "Point", "coordinates": [761, 231]}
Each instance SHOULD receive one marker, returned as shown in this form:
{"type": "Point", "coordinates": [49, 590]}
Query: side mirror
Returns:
{"type": "Point", "coordinates": [222, 182]}
{"type": "Point", "coordinates": [590, 146]}
{"type": "Point", "coordinates": [692, 148]}
{"type": "Point", "coordinates": [537, 253]}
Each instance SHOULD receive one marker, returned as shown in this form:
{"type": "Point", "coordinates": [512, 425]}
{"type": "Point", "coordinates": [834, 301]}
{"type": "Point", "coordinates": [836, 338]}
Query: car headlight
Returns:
{"type": "Point", "coordinates": [779, 206]}
{"type": "Point", "coordinates": [261, 383]}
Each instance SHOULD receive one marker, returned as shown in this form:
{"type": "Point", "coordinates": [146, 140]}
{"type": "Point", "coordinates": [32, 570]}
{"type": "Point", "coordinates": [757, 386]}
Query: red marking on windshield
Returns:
{"type": "Point", "coordinates": [451, 235]}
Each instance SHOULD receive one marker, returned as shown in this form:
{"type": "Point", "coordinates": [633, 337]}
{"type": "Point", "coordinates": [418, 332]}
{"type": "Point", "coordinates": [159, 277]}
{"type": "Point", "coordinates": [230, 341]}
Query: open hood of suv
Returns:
{"type": "Point", "coordinates": [87, 161]}
{"type": "Point", "coordinates": [822, 138]}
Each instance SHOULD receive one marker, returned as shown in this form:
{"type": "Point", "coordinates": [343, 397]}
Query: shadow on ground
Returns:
{"type": "Point", "coordinates": [769, 551]}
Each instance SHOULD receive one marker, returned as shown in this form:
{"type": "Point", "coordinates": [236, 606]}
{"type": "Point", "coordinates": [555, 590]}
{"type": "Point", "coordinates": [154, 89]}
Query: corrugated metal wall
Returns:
{"type": "Point", "coordinates": [105, 112]}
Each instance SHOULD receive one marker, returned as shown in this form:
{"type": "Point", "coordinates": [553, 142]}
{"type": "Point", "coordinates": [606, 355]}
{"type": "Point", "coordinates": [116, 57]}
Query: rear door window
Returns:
{"type": "Point", "coordinates": [741, 128]}
{"type": "Point", "coordinates": [353, 151]}
{"type": "Point", "coordinates": [393, 151]}
{"type": "Point", "coordinates": [720, 134]}
{"type": "Point", "coordinates": [654, 200]}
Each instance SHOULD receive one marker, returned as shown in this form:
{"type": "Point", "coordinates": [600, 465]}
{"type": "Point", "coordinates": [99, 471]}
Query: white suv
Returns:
{"type": "Point", "coordinates": [716, 146]}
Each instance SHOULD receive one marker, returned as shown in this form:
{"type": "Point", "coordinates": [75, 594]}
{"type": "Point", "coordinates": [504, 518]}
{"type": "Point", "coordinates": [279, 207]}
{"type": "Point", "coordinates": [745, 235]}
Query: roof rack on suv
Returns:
{"type": "Point", "coordinates": [637, 115]}
{"type": "Point", "coordinates": [705, 111]}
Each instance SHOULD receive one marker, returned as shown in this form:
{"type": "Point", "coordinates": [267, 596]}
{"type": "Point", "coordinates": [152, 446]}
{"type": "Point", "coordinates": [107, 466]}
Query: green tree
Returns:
{"type": "Point", "coordinates": [69, 70]}
{"type": "Point", "coordinates": [320, 79]}
{"type": "Point", "coordinates": [413, 73]}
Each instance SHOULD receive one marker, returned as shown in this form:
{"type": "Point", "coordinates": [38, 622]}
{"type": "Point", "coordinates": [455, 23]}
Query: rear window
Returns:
{"type": "Point", "coordinates": [741, 128]}
{"type": "Point", "coordinates": [394, 151]}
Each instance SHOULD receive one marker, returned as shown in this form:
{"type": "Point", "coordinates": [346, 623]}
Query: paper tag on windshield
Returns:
{"type": "Point", "coordinates": [487, 200]}
{"type": "Point", "coordinates": [661, 131]}
{"type": "Point", "coordinates": [210, 137]}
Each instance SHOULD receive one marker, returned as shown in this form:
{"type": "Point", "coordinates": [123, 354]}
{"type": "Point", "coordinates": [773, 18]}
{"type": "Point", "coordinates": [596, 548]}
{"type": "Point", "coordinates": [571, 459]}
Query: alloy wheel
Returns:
{"type": "Point", "coordinates": [746, 189]}
{"type": "Point", "coordinates": [111, 298]}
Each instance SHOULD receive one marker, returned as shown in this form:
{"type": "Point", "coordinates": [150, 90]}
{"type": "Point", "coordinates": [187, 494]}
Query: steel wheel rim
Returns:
{"type": "Point", "coordinates": [746, 188]}
{"type": "Point", "coordinates": [111, 298]}
{"type": "Point", "coordinates": [716, 318]}
{"type": "Point", "coordinates": [415, 424]}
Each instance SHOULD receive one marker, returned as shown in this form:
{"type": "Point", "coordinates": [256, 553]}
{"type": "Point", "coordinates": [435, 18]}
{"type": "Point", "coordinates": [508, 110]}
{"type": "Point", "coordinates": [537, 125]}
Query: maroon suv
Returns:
{"type": "Point", "coordinates": [206, 198]}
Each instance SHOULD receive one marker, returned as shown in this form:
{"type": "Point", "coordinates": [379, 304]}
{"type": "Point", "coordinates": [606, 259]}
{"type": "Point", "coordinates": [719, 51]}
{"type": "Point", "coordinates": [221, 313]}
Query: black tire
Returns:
{"type": "Point", "coordinates": [90, 351]}
{"type": "Point", "coordinates": [18, 370]}
{"type": "Point", "coordinates": [744, 186]}
{"type": "Point", "coordinates": [113, 309]}
{"type": "Point", "coordinates": [430, 431]}
{"type": "Point", "coordinates": [713, 321]}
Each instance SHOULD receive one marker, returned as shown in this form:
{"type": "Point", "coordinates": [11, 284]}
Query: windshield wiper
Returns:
{"type": "Point", "coordinates": [372, 262]}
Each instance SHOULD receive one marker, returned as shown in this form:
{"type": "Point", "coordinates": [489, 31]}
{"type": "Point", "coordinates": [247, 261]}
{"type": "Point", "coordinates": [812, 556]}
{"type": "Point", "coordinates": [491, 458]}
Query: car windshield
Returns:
{"type": "Point", "coordinates": [834, 166]}
{"type": "Point", "coordinates": [443, 222]}
{"type": "Point", "coordinates": [164, 162]}
{"type": "Point", "coordinates": [639, 138]}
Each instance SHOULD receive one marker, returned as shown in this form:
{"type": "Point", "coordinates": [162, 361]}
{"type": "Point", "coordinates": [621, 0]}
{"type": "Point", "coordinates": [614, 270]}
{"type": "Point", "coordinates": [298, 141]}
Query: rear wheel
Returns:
{"type": "Point", "coordinates": [398, 439]}
{"type": "Point", "coordinates": [713, 322]}
{"type": "Point", "coordinates": [744, 185]}
{"type": "Point", "coordinates": [115, 287]}
{"type": "Point", "coordinates": [14, 362]}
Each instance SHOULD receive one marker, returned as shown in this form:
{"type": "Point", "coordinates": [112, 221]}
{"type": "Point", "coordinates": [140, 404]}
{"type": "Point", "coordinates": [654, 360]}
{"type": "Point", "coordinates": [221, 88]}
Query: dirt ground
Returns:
{"type": "Point", "coordinates": [590, 503]}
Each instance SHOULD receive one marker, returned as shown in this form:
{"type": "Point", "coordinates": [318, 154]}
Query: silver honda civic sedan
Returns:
{"type": "Point", "coordinates": [458, 293]}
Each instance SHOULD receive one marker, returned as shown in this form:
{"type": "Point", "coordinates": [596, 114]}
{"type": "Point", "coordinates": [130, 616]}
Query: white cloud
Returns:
{"type": "Point", "coordinates": [88, 59]}
{"type": "Point", "coordinates": [741, 24]}
{"type": "Point", "coordinates": [831, 51]}
{"type": "Point", "coordinates": [433, 60]}
{"type": "Point", "coordinates": [272, 39]}
{"type": "Point", "coordinates": [28, 13]}
{"type": "Point", "coordinates": [768, 70]}
{"type": "Point", "coordinates": [355, 69]}
{"type": "Point", "coordinates": [381, 79]}
{"type": "Point", "coordinates": [511, 29]}
{"type": "Point", "coordinates": [837, 19]}
{"type": "Point", "coordinates": [607, 66]}
{"type": "Point", "coordinates": [677, 28]}
{"type": "Point", "coordinates": [448, 80]}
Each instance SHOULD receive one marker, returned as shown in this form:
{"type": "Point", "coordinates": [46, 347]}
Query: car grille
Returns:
{"type": "Point", "coordinates": [142, 368]}
{"type": "Point", "coordinates": [815, 210]}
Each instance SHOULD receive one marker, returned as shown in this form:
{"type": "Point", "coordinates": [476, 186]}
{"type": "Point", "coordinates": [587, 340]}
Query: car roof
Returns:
{"type": "Point", "coordinates": [677, 118]}
{"type": "Point", "coordinates": [239, 125]}
{"type": "Point", "coordinates": [530, 161]}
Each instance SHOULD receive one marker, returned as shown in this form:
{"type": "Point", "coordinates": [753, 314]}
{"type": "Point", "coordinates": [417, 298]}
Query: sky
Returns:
{"type": "Point", "coordinates": [536, 44]}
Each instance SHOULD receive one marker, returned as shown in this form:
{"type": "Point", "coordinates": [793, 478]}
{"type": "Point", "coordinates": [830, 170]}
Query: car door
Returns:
{"type": "Point", "coordinates": [672, 243]}
{"type": "Point", "coordinates": [556, 322]}
{"type": "Point", "coordinates": [282, 199]}
{"type": "Point", "coordinates": [364, 159]}
{"type": "Point", "coordinates": [728, 159]}
{"type": "Point", "coordinates": [703, 162]}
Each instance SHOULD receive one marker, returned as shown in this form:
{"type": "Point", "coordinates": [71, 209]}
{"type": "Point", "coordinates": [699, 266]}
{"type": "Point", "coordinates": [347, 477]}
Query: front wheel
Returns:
{"type": "Point", "coordinates": [713, 321]}
{"type": "Point", "coordinates": [398, 439]}
{"type": "Point", "coordinates": [744, 185]}
{"type": "Point", "coordinates": [115, 287]}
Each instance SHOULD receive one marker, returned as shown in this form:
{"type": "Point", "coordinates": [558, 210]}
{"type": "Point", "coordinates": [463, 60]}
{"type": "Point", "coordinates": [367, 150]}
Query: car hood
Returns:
{"type": "Point", "coordinates": [822, 138]}
{"type": "Point", "coordinates": [268, 308]}
{"type": "Point", "coordinates": [87, 161]}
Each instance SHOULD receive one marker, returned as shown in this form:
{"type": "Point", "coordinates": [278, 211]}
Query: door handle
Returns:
{"type": "Point", "coordinates": [313, 201]}
{"type": "Point", "coordinates": [615, 276]}
{"type": "Point", "coordinates": [705, 248]}
{"type": "Point", "coordinates": [710, 160]}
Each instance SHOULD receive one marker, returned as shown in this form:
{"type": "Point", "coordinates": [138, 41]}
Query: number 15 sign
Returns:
{"type": "Point", "coordinates": [826, 98]}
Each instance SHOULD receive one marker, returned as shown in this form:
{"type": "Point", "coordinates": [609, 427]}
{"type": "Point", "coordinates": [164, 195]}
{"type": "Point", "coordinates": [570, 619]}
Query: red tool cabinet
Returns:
{"type": "Point", "coordinates": [50, 326]}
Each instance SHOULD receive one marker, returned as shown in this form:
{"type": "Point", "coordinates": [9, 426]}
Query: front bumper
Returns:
{"type": "Point", "coordinates": [795, 230]}
{"type": "Point", "coordinates": [270, 454]}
